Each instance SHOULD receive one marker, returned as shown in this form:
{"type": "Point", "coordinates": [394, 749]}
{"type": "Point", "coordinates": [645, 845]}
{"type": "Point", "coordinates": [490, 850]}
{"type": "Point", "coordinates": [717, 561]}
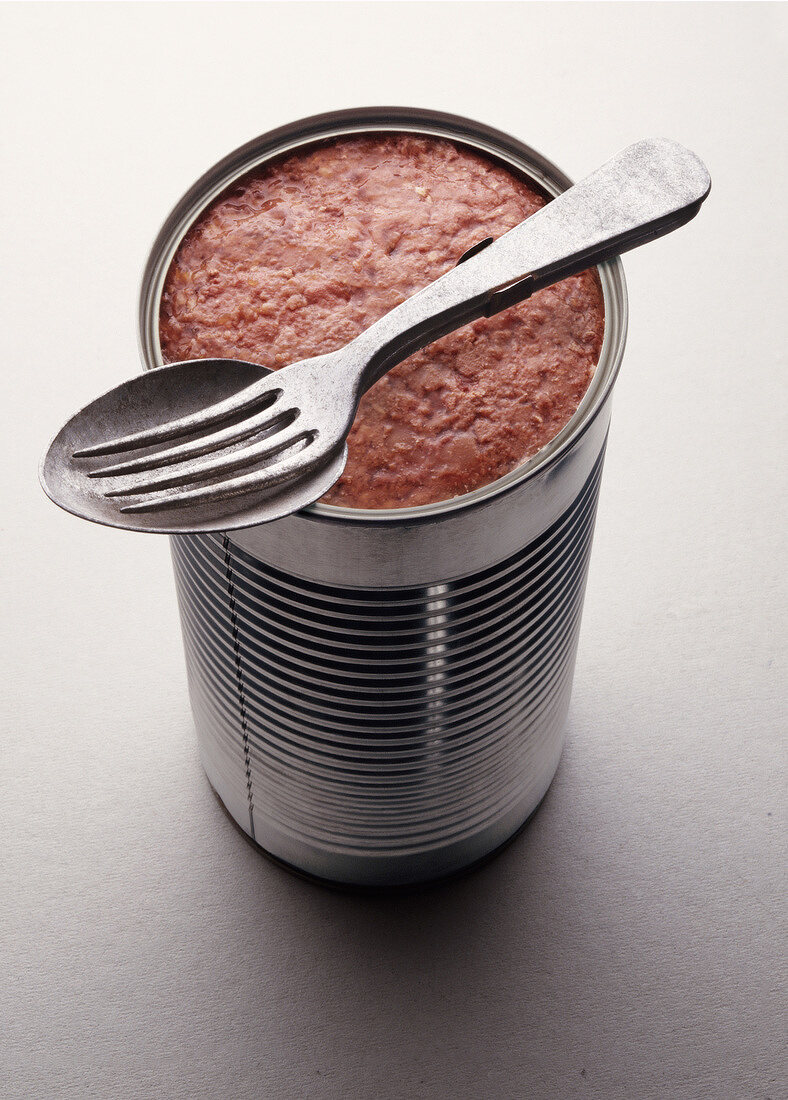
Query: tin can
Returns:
{"type": "Point", "coordinates": [380, 696]}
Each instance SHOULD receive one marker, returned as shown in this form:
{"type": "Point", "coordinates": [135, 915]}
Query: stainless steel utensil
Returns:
{"type": "Point", "coordinates": [175, 392]}
{"type": "Point", "coordinates": [270, 446]}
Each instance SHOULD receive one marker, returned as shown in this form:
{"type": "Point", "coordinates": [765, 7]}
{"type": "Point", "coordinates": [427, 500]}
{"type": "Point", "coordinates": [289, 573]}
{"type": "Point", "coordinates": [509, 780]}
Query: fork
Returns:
{"type": "Point", "coordinates": [293, 423]}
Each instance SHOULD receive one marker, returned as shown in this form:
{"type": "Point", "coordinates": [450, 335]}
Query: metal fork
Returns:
{"type": "Point", "coordinates": [292, 424]}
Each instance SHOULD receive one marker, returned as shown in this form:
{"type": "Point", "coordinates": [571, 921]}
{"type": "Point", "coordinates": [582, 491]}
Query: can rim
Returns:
{"type": "Point", "coordinates": [515, 155]}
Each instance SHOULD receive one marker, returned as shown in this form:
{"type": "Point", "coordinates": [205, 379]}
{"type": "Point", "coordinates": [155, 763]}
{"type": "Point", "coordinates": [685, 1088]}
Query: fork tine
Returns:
{"type": "Point", "coordinates": [258, 400]}
{"type": "Point", "coordinates": [288, 469]}
{"type": "Point", "coordinates": [270, 447]}
{"type": "Point", "coordinates": [203, 445]}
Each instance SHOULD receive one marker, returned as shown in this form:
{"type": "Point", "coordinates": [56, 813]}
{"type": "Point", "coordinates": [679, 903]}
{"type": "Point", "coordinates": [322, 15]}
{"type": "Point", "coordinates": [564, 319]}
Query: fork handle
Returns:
{"type": "Point", "coordinates": [648, 189]}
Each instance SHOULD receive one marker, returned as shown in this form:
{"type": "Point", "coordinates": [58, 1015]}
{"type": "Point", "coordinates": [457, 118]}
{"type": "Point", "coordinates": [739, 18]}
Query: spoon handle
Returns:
{"type": "Point", "coordinates": [645, 191]}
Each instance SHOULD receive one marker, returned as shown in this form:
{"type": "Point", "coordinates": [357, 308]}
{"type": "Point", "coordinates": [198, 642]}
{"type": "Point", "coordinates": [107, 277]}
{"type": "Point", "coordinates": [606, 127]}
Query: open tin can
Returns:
{"type": "Point", "coordinates": [380, 696]}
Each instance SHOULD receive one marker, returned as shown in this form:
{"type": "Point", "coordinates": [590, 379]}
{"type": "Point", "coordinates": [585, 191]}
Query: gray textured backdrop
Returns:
{"type": "Point", "coordinates": [631, 943]}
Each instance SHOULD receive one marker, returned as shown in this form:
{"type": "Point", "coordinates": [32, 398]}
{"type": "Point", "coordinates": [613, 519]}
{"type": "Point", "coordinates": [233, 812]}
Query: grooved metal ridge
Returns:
{"type": "Point", "coordinates": [377, 723]}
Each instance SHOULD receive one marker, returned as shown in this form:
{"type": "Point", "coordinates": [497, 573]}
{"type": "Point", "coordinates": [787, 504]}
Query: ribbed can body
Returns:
{"type": "Point", "coordinates": [380, 696]}
{"type": "Point", "coordinates": [383, 737]}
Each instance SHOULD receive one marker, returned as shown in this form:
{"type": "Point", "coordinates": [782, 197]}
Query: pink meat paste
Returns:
{"type": "Point", "coordinates": [300, 256]}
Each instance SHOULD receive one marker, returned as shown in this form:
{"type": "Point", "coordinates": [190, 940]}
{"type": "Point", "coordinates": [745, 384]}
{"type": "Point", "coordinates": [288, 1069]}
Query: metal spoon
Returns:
{"type": "Point", "coordinates": [212, 444]}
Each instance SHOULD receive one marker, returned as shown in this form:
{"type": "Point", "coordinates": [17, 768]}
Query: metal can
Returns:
{"type": "Point", "coordinates": [380, 696]}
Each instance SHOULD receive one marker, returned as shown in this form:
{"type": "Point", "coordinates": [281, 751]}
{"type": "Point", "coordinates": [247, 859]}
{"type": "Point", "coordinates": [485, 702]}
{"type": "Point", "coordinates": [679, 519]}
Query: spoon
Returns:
{"type": "Point", "coordinates": [221, 444]}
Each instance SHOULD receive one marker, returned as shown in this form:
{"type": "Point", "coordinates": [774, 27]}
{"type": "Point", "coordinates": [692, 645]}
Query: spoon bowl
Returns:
{"type": "Point", "coordinates": [167, 393]}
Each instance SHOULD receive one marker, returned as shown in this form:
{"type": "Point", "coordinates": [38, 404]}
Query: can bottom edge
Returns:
{"type": "Point", "coordinates": [415, 885]}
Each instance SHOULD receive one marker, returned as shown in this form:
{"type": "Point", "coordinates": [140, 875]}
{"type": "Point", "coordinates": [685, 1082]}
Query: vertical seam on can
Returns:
{"type": "Point", "coordinates": [228, 564]}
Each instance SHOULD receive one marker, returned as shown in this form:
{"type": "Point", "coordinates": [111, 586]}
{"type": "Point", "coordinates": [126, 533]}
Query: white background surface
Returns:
{"type": "Point", "coordinates": [631, 943]}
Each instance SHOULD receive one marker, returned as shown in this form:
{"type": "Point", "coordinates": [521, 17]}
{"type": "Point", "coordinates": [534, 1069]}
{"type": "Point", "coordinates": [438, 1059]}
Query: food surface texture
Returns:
{"type": "Point", "coordinates": [303, 254]}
